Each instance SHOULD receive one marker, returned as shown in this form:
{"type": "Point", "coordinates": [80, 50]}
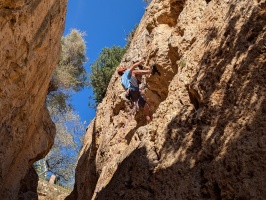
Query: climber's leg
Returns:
{"type": "Point", "coordinates": [147, 113]}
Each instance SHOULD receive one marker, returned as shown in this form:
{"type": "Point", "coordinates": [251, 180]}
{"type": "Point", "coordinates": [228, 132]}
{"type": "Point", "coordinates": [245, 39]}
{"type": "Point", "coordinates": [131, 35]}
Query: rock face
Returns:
{"type": "Point", "coordinates": [207, 139]}
{"type": "Point", "coordinates": [30, 35]}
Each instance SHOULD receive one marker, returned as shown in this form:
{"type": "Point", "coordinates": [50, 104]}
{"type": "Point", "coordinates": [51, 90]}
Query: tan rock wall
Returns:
{"type": "Point", "coordinates": [212, 57]}
{"type": "Point", "coordinates": [30, 45]}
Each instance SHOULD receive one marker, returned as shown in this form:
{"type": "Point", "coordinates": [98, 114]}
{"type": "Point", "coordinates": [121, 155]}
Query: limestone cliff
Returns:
{"type": "Point", "coordinates": [30, 36]}
{"type": "Point", "coordinates": [207, 139]}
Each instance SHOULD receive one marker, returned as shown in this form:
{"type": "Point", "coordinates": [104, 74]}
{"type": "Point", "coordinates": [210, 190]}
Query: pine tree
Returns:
{"type": "Point", "coordinates": [102, 70]}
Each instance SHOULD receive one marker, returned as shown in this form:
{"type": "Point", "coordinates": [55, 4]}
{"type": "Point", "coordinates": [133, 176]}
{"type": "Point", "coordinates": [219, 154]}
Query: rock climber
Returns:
{"type": "Point", "coordinates": [131, 79]}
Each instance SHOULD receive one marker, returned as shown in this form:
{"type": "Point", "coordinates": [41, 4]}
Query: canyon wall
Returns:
{"type": "Point", "coordinates": [30, 36]}
{"type": "Point", "coordinates": [207, 139]}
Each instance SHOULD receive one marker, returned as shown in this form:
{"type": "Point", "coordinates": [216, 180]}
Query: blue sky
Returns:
{"type": "Point", "coordinates": [106, 23]}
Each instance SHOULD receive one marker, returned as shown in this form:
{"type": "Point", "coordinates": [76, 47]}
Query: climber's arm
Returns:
{"type": "Point", "coordinates": [132, 67]}
{"type": "Point", "coordinates": [141, 72]}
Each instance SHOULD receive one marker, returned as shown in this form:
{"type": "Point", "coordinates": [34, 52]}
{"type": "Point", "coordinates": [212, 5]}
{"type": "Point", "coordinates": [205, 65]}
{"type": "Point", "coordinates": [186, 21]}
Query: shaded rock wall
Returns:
{"type": "Point", "coordinates": [30, 45]}
{"type": "Point", "coordinates": [207, 139]}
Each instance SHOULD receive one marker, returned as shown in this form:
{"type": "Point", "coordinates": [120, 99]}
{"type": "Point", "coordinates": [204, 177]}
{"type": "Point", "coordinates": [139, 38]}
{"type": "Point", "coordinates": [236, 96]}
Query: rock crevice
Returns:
{"type": "Point", "coordinates": [207, 136]}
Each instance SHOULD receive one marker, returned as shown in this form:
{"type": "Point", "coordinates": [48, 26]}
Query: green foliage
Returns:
{"type": "Point", "coordinates": [70, 73]}
{"type": "Point", "coordinates": [62, 158]}
{"type": "Point", "coordinates": [58, 102]}
{"type": "Point", "coordinates": [102, 70]}
{"type": "Point", "coordinates": [69, 77]}
{"type": "Point", "coordinates": [182, 64]}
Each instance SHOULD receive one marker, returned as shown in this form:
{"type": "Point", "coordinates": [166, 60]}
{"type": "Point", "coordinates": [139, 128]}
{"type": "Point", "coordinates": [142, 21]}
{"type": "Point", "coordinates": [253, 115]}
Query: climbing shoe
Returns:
{"type": "Point", "coordinates": [155, 70]}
